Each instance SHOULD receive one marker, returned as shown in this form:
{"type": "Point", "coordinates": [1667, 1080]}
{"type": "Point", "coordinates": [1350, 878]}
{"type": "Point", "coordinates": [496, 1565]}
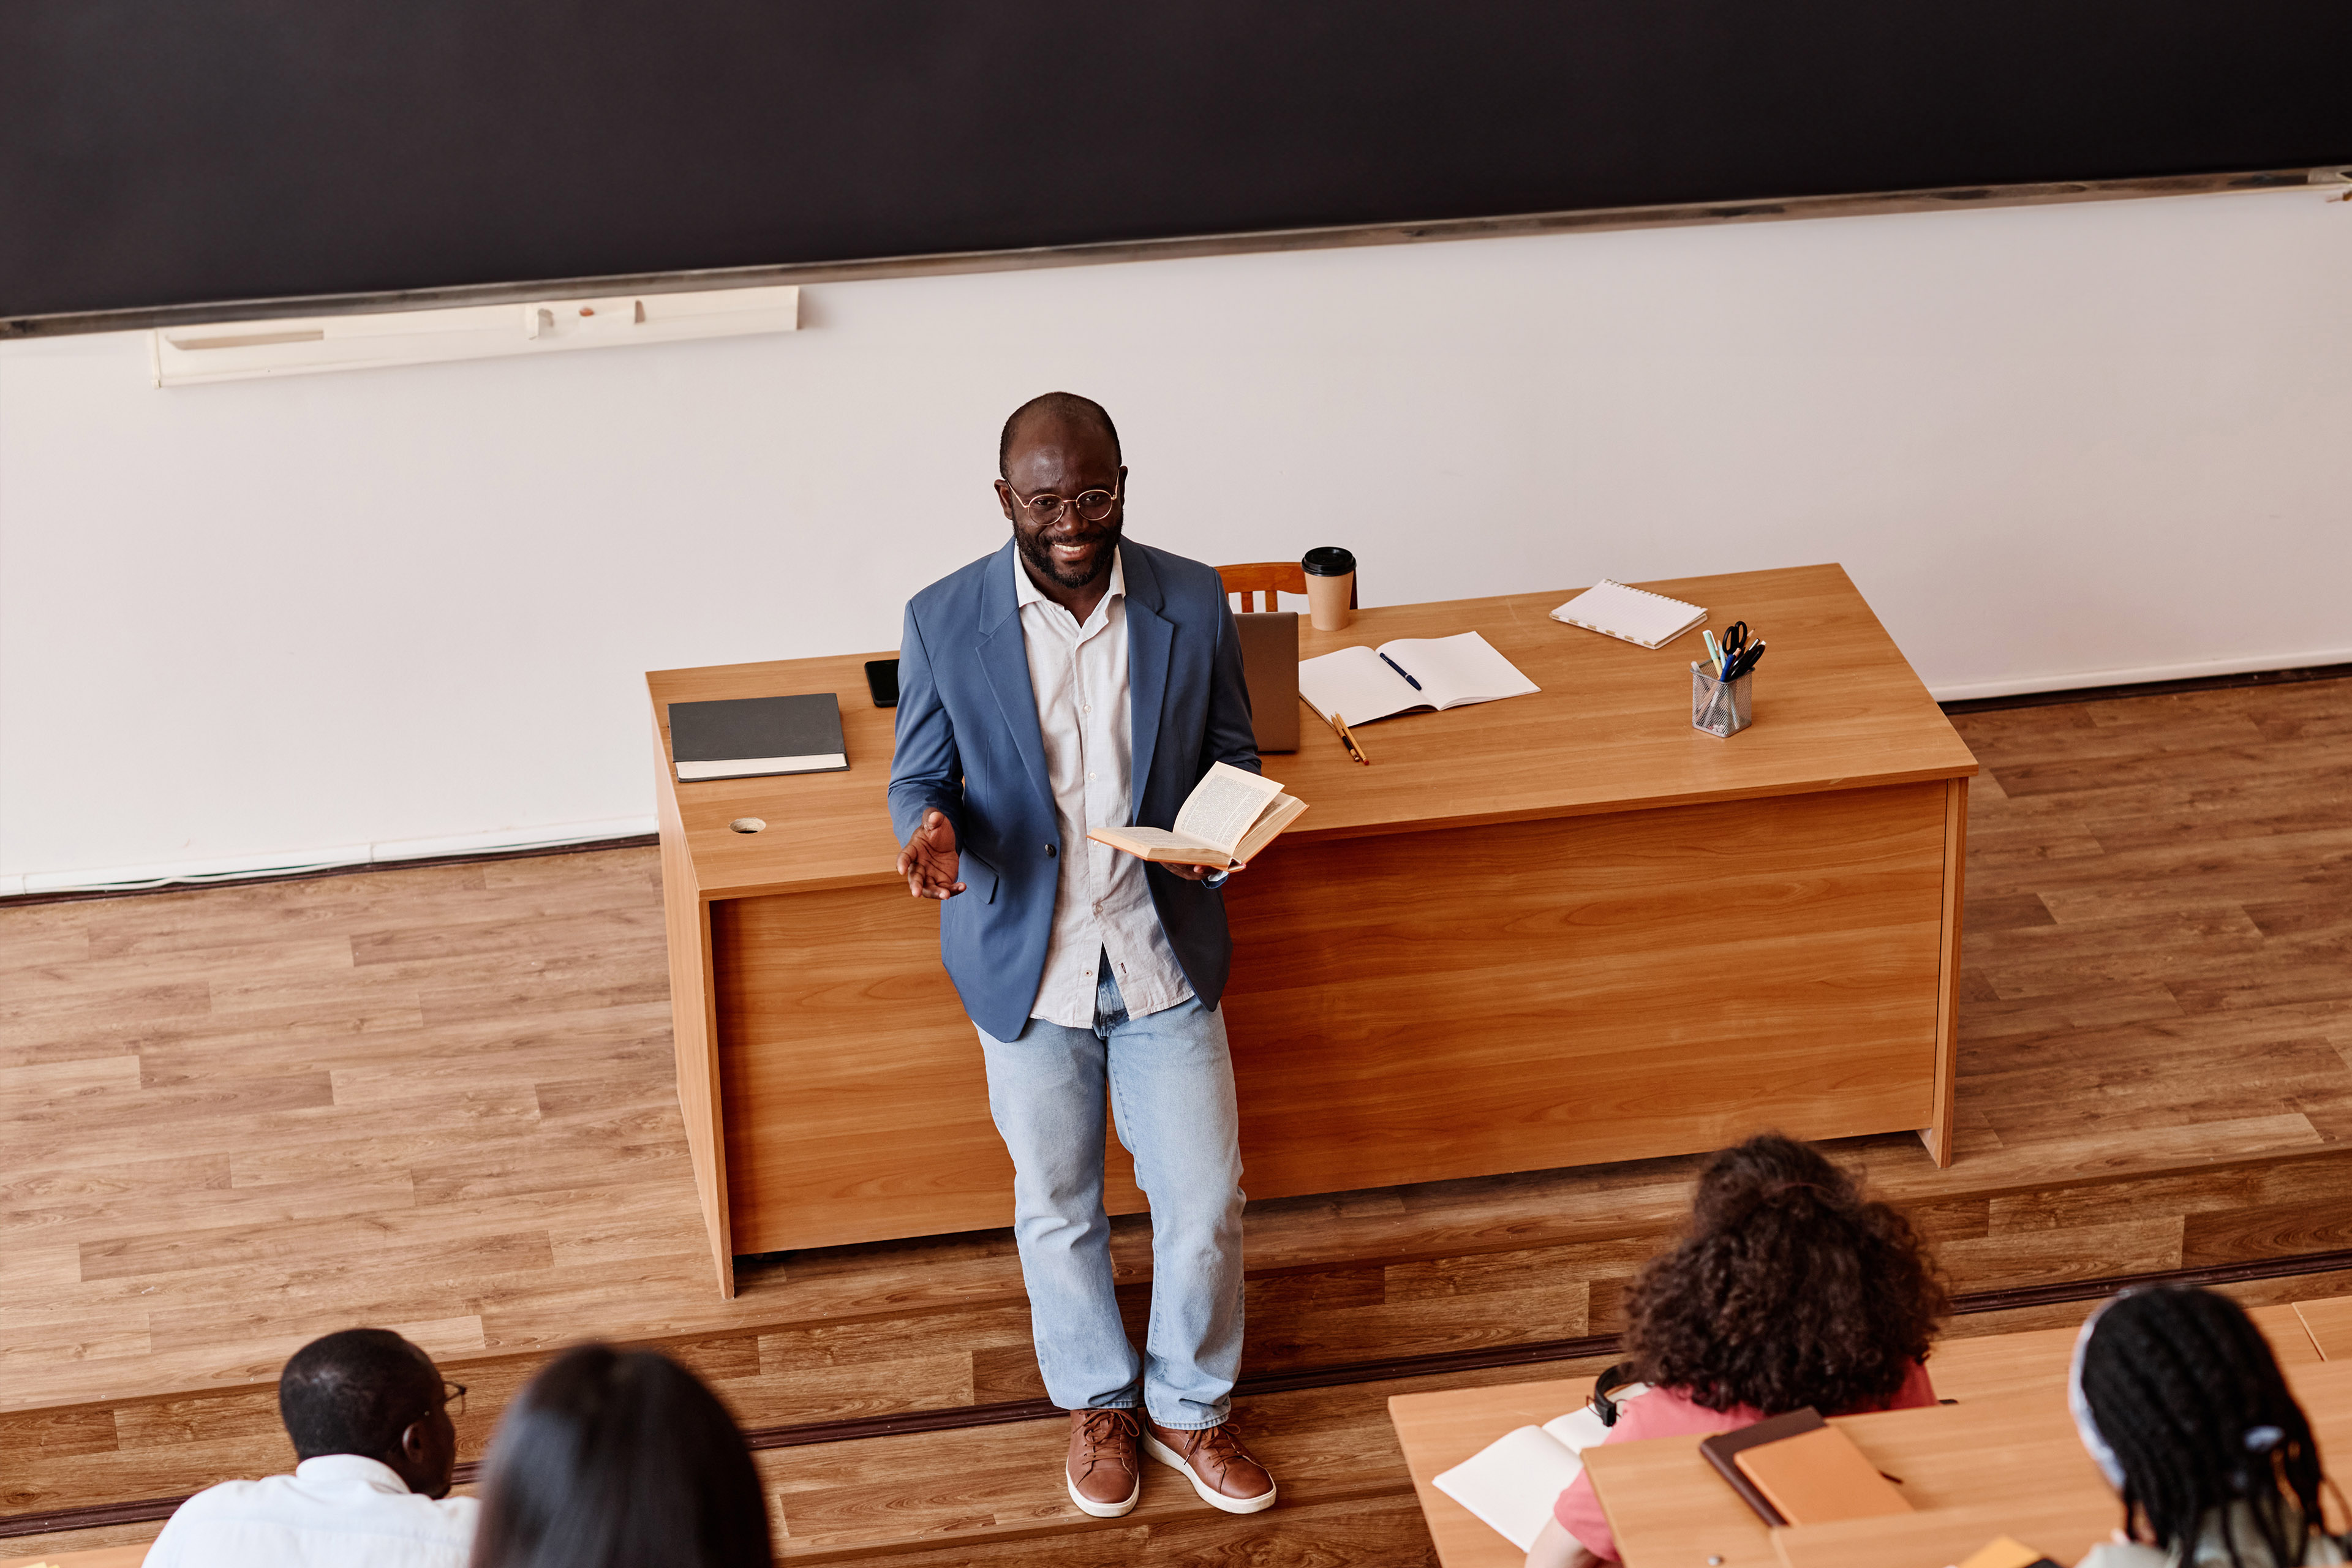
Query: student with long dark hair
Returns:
{"type": "Point", "coordinates": [2179, 1400]}
{"type": "Point", "coordinates": [620, 1459]}
{"type": "Point", "coordinates": [1790, 1290]}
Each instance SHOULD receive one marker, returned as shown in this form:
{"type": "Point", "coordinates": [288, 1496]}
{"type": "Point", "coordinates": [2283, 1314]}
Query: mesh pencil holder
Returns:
{"type": "Point", "coordinates": [1721, 707]}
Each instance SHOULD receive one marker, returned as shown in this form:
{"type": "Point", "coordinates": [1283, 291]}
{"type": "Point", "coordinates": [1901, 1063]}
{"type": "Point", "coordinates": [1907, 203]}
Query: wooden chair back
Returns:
{"type": "Point", "coordinates": [1267, 577]}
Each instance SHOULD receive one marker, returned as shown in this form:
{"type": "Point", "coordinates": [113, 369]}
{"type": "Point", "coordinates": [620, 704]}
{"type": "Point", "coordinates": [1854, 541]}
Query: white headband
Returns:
{"type": "Point", "coordinates": [2085, 1426]}
{"type": "Point", "coordinates": [2257, 1439]}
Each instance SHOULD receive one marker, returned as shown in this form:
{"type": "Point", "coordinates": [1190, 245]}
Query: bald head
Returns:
{"type": "Point", "coordinates": [1063, 487]}
{"type": "Point", "coordinates": [1058, 411]}
{"type": "Point", "coordinates": [370, 1393]}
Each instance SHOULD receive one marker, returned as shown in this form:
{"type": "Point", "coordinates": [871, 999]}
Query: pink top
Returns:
{"type": "Point", "coordinates": [1670, 1413]}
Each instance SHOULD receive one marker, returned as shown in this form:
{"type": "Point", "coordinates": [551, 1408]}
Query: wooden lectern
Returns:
{"type": "Point", "coordinates": [1545, 932]}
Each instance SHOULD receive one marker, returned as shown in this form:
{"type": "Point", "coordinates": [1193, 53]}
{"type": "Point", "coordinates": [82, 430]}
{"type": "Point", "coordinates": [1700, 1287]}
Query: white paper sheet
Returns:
{"type": "Point", "coordinates": [1512, 1482]}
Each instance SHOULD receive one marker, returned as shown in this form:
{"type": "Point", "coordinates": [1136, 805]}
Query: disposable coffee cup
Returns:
{"type": "Point", "coordinates": [1330, 588]}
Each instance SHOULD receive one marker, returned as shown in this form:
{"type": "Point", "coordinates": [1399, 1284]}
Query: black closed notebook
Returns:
{"type": "Point", "coordinates": [750, 737]}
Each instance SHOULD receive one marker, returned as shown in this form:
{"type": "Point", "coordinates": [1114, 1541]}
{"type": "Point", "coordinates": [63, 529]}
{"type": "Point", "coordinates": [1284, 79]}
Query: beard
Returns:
{"type": "Point", "coordinates": [1036, 549]}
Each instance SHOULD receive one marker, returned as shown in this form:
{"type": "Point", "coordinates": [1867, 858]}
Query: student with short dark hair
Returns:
{"type": "Point", "coordinates": [1788, 1289]}
{"type": "Point", "coordinates": [2178, 1398]}
{"type": "Point", "coordinates": [370, 1418]}
{"type": "Point", "coordinates": [620, 1459]}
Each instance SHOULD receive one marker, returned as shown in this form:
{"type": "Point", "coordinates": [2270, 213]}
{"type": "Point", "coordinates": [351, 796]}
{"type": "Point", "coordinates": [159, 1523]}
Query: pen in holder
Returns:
{"type": "Point", "coordinates": [1721, 707]}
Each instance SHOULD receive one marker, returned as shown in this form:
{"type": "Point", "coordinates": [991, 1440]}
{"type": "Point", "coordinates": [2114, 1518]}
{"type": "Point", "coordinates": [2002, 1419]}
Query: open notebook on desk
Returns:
{"type": "Point", "coordinates": [1511, 1483]}
{"type": "Point", "coordinates": [1363, 685]}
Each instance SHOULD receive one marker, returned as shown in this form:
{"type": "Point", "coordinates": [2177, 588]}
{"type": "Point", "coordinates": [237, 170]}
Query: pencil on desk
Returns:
{"type": "Point", "coordinates": [1348, 738]}
{"type": "Point", "coordinates": [1332, 720]}
{"type": "Point", "coordinates": [1344, 737]}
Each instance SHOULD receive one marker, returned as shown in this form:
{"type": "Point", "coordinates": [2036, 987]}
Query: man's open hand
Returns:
{"type": "Point", "coordinates": [928, 862]}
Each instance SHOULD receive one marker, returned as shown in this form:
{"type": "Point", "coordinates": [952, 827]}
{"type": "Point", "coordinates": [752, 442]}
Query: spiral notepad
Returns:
{"type": "Point", "coordinates": [1630, 614]}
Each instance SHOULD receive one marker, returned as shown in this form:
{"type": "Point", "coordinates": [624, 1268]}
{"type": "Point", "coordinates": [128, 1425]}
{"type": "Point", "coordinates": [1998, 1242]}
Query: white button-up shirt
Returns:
{"type": "Point", "coordinates": [1102, 904]}
{"type": "Point", "coordinates": [338, 1510]}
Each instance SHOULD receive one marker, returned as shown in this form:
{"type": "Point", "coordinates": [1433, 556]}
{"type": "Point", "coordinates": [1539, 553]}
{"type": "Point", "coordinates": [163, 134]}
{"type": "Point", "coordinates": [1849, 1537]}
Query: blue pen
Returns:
{"type": "Point", "coordinates": [1392, 664]}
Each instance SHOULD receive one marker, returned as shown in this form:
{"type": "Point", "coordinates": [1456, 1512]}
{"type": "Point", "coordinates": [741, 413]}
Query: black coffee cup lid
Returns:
{"type": "Point", "coordinates": [1328, 561]}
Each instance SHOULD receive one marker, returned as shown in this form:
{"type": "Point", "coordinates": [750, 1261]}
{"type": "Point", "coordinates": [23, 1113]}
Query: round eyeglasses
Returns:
{"type": "Point", "coordinates": [1047, 508]}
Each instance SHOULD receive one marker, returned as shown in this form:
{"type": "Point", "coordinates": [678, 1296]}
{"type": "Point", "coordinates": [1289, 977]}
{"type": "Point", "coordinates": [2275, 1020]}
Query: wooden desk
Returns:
{"type": "Point", "coordinates": [1939, 1538]}
{"type": "Point", "coordinates": [1438, 1431]}
{"type": "Point", "coordinates": [1968, 1461]}
{"type": "Point", "coordinates": [97, 1557]}
{"type": "Point", "coordinates": [2034, 1360]}
{"type": "Point", "coordinates": [1547, 931]}
{"type": "Point", "coordinates": [2329, 1324]}
{"type": "Point", "coordinates": [2289, 1333]}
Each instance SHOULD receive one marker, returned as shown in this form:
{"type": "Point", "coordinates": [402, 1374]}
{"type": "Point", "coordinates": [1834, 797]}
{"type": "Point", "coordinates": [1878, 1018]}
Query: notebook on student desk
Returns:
{"type": "Point", "coordinates": [1511, 1483]}
{"type": "Point", "coordinates": [1799, 1469]}
{"type": "Point", "coordinates": [1630, 614]}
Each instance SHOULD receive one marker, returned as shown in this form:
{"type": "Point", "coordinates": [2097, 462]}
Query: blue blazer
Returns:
{"type": "Point", "coordinates": [969, 744]}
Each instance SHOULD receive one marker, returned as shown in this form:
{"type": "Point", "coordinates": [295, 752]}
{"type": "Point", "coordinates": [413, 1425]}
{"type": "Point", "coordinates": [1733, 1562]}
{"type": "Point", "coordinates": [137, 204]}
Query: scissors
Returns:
{"type": "Point", "coordinates": [1733, 642]}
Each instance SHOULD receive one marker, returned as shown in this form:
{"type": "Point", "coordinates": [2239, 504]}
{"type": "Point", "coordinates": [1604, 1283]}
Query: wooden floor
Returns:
{"type": "Point", "coordinates": [439, 1099]}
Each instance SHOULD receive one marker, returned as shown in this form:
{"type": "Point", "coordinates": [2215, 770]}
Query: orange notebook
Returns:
{"type": "Point", "coordinates": [2004, 1552]}
{"type": "Point", "coordinates": [1820, 1475]}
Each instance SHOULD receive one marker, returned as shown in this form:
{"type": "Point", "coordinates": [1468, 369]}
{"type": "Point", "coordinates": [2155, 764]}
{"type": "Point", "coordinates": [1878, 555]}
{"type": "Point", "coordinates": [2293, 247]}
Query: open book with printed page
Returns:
{"type": "Point", "coordinates": [1231, 814]}
{"type": "Point", "coordinates": [1513, 1481]}
{"type": "Point", "coordinates": [1362, 684]}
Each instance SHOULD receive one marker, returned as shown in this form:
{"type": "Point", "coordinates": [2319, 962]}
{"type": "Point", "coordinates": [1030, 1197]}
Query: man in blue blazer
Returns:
{"type": "Point", "coordinates": [1075, 679]}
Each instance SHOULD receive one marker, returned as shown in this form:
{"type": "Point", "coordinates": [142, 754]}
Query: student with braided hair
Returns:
{"type": "Point", "coordinates": [2179, 1400]}
{"type": "Point", "coordinates": [1790, 1290]}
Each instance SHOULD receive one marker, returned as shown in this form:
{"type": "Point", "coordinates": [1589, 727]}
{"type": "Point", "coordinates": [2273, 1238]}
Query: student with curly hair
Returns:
{"type": "Point", "coordinates": [2179, 1400]}
{"type": "Point", "coordinates": [1788, 1290]}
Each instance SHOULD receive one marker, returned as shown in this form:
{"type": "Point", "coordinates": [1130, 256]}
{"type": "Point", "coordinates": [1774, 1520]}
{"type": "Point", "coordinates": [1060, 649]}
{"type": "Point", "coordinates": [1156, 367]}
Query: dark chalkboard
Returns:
{"type": "Point", "coordinates": [156, 153]}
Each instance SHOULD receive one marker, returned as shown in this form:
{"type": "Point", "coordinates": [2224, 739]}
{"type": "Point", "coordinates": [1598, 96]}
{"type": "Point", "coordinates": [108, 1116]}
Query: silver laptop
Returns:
{"type": "Point", "coordinates": [1270, 666]}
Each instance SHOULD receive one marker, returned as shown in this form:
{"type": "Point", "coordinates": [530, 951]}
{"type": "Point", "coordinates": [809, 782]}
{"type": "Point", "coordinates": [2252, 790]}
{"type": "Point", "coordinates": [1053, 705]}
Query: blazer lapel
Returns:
{"type": "Point", "coordinates": [1004, 660]}
{"type": "Point", "coordinates": [1149, 635]}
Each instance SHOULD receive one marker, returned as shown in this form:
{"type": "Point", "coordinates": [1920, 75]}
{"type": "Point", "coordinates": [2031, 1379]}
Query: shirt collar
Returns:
{"type": "Point", "coordinates": [375, 1474]}
{"type": "Point", "coordinates": [1026, 592]}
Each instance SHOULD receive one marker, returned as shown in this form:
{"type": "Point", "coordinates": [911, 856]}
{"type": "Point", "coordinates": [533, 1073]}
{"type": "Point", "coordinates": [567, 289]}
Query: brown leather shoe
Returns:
{"type": "Point", "coordinates": [1213, 1460]}
{"type": "Point", "coordinates": [1104, 1473]}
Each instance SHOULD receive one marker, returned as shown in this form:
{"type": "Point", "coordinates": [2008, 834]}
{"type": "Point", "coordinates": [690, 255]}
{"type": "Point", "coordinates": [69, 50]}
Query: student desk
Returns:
{"type": "Point", "coordinates": [1666, 1506]}
{"type": "Point", "coordinates": [1439, 1430]}
{"type": "Point", "coordinates": [2008, 1465]}
{"type": "Point", "coordinates": [1545, 932]}
{"type": "Point", "coordinates": [2329, 1324]}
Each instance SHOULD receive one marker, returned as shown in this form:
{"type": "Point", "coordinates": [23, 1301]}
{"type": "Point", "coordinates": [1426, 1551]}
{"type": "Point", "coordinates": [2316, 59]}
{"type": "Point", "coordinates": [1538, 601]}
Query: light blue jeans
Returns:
{"type": "Point", "coordinates": [1171, 1091]}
